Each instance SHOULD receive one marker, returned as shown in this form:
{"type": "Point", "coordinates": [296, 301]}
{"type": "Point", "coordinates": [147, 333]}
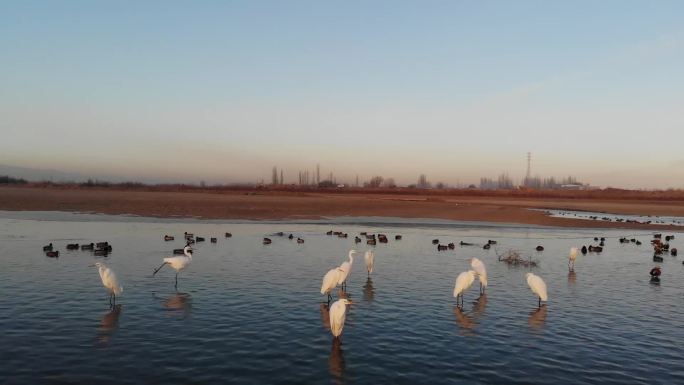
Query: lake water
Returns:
{"type": "Point", "coordinates": [248, 313]}
{"type": "Point", "coordinates": [607, 217]}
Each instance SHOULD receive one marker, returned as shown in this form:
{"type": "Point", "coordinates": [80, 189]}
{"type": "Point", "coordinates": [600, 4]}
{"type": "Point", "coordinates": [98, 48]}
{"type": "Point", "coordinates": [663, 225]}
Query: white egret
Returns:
{"type": "Point", "coordinates": [572, 258]}
{"type": "Point", "coordinates": [346, 269]}
{"type": "Point", "coordinates": [338, 312]}
{"type": "Point", "coordinates": [109, 281]}
{"type": "Point", "coordinates": [538, 286]}
{"type": "Point", "coordinates": [369, 257]}
{"type": "Point", "coordinates": [177, 263]}
{"type": "Point", "coordinates": [330, 280]}
{"type": "Point", "coordinates": [463, 283]}
{"type": "Point", "coordinates": [481, 271]}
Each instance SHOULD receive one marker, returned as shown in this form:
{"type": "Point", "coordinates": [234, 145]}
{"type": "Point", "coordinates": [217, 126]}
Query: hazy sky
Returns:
{"type": "Point", "coordinates": [222, 91]}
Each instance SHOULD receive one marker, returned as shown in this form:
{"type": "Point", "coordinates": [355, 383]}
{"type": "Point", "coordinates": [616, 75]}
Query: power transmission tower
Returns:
{"type": "Point", "coordinates": [528, 175]}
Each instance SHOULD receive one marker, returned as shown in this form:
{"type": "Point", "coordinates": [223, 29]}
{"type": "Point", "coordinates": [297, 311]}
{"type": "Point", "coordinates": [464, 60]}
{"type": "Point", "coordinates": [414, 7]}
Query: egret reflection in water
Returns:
{"type": "Point", "coordinates": [464, 320]}
{"type": "Point", "coordinates": [537, 318]}
{"type": "Point", "coordinates": [325, 316]}
{"type": "Point", "coordinates": [572, 277]}
{"type": "Point", "coordinates": [336, 364]}
{"type": "Point", "coordinates": [368, 290]}
{"type": "Point", "coordinates": [108, 325]}
{"type": "Point", "coordinates": [469, 321]}
{"type": "Point", "coordinates": [178, 304]}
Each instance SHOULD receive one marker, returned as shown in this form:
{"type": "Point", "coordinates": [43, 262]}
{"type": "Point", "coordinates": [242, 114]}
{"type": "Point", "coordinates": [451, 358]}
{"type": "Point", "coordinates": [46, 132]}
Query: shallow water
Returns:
{"type": "Point", "coordinates": [249, 313]}
{"type": "Point", "coordinates": [606, 217]}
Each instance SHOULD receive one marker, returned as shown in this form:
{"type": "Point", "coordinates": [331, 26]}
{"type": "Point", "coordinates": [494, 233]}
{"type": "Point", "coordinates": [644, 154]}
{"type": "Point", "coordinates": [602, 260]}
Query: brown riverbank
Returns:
{"type": "Point", "coordinates": [225, 204]}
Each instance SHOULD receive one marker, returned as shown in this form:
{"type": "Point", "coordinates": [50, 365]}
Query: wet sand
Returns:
{"type": "Point", "coordinates": [292, 205]}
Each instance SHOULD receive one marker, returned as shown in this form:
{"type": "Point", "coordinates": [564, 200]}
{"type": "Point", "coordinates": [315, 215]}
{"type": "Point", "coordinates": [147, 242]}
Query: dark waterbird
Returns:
{"type": "Point", "coordinates": [52, 254]}
{"type": "Point", "coordinates": [213, 240]}
{"type": "Point", "coordinates": [72, 246]}
{"type": "Point", "coordinates": [48, 247]}
{"type": "Point", "coordinates": [267, 241]}
{"type": "Point", "coordinates": [541, 248]}
{"type": "Point", "coordinates": [397, 237]}
{"type": "Point", "coordinates": [435, 241]}
{"type": "Point", "coordinates": [168, 238]}
{"type": "Point", "coordinates": [90, 246]}
{"type": "Point", "coordinates": [228, 235]}
{"type": "Point", "coordinates": [199, 239]}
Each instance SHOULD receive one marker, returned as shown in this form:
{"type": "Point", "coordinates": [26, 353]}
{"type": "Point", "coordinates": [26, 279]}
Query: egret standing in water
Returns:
{"type": "Point", "coordinates": [572, 258]}
{"type": "Point", "coordinates": [177, 263]}
{"type": "Point", "coordinates": [346, 270]}
{"type": "Point", "coordinates": [110, 282]}
{"type": "Point", "coordinates": [481, 271]}
{"type": "Point", "coordinates": [538, 286]}
{"type": "Point", "coordinates": [338, 312]}
{"type": "Point", "coordinates": [369, 257]}
{"type": "Point", "coordinates": [330, 280]}
{"type": "Point", "coordinates": [463, 283]}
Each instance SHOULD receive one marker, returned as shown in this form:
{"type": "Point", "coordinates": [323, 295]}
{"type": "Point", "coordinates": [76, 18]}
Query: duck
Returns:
{"type": "Point", "coordinates": [48, 247]}
{"type": "Point", "coordinates": [267, 241]}
{"type": "Point", "coordinates": [213, 240]}
{"type": "Point", "coordinates": [90, 246]}
{"type": "Point", "coordinates": [168, 238]}
{"type": "Point", "coordinates": [228, 235]}
{"type": "Point", "coordinates": [52, 254]}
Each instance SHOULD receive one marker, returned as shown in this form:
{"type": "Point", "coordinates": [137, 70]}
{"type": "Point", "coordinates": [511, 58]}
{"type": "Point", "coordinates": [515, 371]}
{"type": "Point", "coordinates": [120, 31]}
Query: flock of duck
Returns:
{"type": "Point", "coordinates": [337, 276]}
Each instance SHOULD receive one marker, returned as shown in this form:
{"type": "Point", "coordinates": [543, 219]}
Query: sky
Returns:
{"type": "Point", "coordinates": [222, 91]}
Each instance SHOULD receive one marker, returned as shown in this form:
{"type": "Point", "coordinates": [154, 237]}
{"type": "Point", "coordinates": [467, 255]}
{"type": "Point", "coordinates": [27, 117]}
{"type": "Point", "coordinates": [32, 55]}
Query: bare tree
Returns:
{"type": "Point", "coordinates": [423, 182]}
{"type": "Point", "coordinates": [375, 182]}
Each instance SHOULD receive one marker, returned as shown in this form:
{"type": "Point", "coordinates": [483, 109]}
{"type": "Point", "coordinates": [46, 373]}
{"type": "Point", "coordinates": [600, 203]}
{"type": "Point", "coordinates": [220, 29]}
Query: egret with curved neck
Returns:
{"type": "Point", "coordinates": [177, 263]}
{"type": "Point", "coordinates": [346, 270]}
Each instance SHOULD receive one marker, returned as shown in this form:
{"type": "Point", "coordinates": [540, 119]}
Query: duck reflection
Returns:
{"type": "Point", "coordinates": [537, 318]}
{"type": "Point", "coordinates": [108, 325]}
{"type": "Point", "coordinates": [179, 304]}
{"type": "Point", "coordinates": [336, 365]}
{"type": "Point", "coordinates": [368, 290]}
{"type": "Point", "coordinates": [325, 316]}
{"type": "Point", "coordinates": [572, 277]}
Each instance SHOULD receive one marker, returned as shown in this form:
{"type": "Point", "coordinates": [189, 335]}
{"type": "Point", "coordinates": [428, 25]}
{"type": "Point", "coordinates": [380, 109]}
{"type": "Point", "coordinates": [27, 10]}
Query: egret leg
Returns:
{"type": "Point", "coordinates": [176, 286]}
{"type": "Point", "coordinates": [539, 301]}
{"type": "Point", "coordinates": [110, 299]}
{"type": "Point", "coordinates": [114, 300]}
{"type": "Point", "coordinates": [159, 268]}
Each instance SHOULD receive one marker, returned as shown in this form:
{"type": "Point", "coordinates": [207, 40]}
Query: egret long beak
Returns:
{"type": "Point", "coordinates": [91, 265]}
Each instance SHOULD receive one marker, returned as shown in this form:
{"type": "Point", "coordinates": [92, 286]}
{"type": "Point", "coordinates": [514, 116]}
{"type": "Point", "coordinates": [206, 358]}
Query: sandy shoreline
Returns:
{"type": "Point", "coordinates": [283, 206]}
